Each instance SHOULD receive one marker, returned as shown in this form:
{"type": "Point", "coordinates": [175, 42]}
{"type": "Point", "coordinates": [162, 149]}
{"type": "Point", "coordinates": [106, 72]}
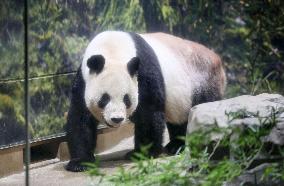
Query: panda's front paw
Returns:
{"type": "Point", "coordinates": [174, 147]}
{"type": "Point", "coordinates": [77, 165]}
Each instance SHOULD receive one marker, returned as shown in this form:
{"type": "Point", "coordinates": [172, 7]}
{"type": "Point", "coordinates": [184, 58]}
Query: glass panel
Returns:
{"type": "Point", "coordinates": [48, 104]}
{"type": "Point", "coordinates": [12, 124]}
{"type": "Point", "coordinates": [58, 36]}
{"type": "Point", "coordinates": [11, 39]}
{"type": "Point", "coordinates": [59, 31]}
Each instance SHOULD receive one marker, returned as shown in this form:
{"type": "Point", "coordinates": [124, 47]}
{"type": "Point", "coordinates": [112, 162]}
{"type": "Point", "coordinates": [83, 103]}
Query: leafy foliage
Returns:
{"type": "Point", "coordinates": [248, 36]}
{"type": "Point", "coordinates": [201, 162]}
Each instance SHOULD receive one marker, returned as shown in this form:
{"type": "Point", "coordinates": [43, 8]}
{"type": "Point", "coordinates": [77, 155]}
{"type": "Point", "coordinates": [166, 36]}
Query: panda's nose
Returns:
{"type": "Point", "coordinates": [117, 120]}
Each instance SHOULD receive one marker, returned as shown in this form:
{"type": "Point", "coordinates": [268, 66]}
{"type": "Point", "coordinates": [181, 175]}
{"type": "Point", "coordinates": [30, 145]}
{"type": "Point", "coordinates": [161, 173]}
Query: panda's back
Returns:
{"type": "Point", "coordinates": [186, 66]}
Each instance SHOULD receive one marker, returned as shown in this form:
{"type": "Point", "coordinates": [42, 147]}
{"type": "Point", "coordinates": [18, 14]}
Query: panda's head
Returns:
{"type": "Point", "coordinates": [111, 92]}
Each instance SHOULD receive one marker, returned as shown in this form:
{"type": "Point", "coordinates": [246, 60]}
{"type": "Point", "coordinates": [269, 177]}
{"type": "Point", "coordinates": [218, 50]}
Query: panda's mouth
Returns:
{"type": "Point", "coordinates": [112, 126]}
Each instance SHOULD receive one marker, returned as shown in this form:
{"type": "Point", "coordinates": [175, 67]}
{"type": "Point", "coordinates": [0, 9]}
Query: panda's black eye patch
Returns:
{"type": "Point", "coordinates": [127, 101]}
{"type": "Point", "coordinates": [104, 100]}
{"type": "Point", "coordinates": [96, 63]}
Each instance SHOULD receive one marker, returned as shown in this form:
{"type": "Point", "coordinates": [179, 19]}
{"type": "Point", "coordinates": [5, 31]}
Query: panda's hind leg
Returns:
{"type": "Point", "coordinates": [176, 133]}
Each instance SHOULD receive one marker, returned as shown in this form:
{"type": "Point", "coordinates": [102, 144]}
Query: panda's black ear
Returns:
{"type": "Point", "coordinates": [96, 63]}
{"type": "Point", "coordinates": [133, 66]}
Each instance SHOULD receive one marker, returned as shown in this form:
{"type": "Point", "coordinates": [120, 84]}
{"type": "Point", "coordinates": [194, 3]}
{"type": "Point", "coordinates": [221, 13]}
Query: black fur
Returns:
{"type": "Point", "coordinates": [81, 128]}
{"type": "Point", "coordinates": [149, 117]}
{"type": "Point", "coordinates": [96, 63]}
{"type": "Point", "coordinates": [133, 66]}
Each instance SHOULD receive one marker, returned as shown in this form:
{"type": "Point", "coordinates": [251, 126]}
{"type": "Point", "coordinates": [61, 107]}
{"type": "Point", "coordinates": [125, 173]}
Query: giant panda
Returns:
{"type": "Point", "coordinates": [150, 79]}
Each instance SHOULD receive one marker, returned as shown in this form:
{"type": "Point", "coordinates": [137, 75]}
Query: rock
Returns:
{"type": "Point", "coordinates": [254, 177]}
{"type": "Point", "coordinates": [245, 111]}
{"type": "Point", "coordinates": [276, 135]}
{"type": "Point", "coordinates": [252, 110]}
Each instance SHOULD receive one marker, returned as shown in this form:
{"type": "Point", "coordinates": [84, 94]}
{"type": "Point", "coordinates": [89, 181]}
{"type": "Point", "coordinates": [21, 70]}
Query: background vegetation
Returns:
{"type": "Point", "coordinates": [248, 35]}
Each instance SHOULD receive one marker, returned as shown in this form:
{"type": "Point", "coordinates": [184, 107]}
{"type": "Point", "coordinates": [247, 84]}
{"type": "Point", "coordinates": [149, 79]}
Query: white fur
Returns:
{"type": "Point", "coordinates": [180, 79]}
{"type": "Point", "coordinates": [114, 79]}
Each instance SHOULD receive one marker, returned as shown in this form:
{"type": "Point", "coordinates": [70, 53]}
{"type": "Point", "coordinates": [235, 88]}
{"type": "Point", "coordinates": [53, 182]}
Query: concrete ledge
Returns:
{"type": "Point", "coordinates": [110, 139]}
{"type": "Point", "coordinates": [52, 172]}
{"type": "Point", "coordinates": [11, 158]}
{"type": "Point", "coordinates": [11, 162]}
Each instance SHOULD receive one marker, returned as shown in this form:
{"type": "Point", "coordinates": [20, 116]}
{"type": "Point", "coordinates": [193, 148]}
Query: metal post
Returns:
{"type": "Point", "coordinates": [26, 89]}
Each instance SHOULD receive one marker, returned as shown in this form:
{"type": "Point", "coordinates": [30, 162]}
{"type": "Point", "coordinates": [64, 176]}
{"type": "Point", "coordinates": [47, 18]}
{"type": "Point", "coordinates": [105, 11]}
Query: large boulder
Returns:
{"type": "Point", "coordinates": [245, 111]}
{"type": "Point", "coordinates": [250, 108]}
